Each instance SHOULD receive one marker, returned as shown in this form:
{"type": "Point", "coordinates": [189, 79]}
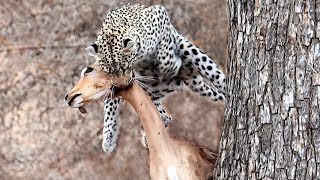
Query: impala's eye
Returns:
{"type": "Point", "coordinates": [88, 70]}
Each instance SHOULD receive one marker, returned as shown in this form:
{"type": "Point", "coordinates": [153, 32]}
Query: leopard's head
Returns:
{"type": "Point", "coordinates": [117, 45]}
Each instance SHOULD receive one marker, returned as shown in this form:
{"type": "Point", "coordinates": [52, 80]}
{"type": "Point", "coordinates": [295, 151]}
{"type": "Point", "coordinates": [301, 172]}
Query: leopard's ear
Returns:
{"type": "Point", "coordinates": [129, 46]}
{"type": "Point", "coordinates": [92, 49]}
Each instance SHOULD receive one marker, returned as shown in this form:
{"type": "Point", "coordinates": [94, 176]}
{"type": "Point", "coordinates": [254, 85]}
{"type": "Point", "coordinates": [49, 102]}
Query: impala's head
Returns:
{"type": "Point", "coordinates": [93, 85]}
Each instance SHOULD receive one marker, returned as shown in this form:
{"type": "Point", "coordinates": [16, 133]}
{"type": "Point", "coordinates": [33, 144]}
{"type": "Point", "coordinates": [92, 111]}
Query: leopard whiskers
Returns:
{"type": "Point", "coordinates": [143, 85]}
{"type": "Point", "coordinates": [148, 78]}
{"type": "Point", "coordinates": [107, 95]}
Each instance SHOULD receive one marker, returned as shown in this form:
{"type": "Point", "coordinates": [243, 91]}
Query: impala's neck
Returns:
{"type": "Point", "coordinates": [156, 133]}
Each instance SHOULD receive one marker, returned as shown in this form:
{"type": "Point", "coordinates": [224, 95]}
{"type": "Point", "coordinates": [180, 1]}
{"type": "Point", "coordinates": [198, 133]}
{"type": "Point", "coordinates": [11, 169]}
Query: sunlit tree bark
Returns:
{"type": "Point", "coordinates": [272, 117]}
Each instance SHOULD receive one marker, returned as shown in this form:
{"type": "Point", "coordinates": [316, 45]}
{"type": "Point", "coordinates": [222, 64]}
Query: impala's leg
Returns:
{"type": "Point", "coordinates": [111, 124]}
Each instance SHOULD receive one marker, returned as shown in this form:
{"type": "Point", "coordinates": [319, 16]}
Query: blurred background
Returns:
{"type": "Point", "coordinates": [42, 52]}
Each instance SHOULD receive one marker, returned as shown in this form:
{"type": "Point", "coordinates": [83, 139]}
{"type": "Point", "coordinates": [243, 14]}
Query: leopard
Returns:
{"type": "Point", "coordinates": [140, 42]}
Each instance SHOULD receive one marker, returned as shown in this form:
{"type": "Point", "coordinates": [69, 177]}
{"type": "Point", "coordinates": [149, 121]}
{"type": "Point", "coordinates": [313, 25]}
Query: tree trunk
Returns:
{"type": "Point", "coordinates": [272, 118]}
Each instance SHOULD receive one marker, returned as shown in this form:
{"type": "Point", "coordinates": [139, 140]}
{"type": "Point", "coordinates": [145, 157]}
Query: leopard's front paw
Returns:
{"type": "Point", "coordinates": [108, 146]}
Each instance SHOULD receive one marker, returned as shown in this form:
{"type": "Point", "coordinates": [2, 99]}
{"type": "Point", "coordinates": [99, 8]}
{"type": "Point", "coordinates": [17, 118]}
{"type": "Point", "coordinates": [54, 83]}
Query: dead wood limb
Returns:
{"type": "Point", "coordinates": [35, 47]}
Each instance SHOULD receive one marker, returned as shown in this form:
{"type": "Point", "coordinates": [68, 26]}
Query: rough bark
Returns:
{"type": "Point", "coordinates": [272, 117]}
{"type": "Point", "coordinates": [41, 56]}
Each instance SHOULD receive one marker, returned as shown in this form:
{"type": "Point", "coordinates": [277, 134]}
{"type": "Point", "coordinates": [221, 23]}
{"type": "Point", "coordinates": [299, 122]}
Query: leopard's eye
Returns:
{"type": "Point", "coordinates": [95, 47]}
{"type": "Point", "coordinates": [125, 42]}
{"type": "Point", "coordinates": [92, 50]}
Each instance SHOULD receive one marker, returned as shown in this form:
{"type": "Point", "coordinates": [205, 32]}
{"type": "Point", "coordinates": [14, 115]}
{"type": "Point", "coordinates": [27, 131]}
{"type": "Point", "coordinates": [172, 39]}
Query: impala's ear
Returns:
{"type": "Point", "coordinates": [92, 49]}
{"type": "Point", "coordinates": [129, 46]}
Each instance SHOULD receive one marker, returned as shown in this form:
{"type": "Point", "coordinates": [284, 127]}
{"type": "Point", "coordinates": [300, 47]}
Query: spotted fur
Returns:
{"type": "Point", "coordinates": [140, 40]}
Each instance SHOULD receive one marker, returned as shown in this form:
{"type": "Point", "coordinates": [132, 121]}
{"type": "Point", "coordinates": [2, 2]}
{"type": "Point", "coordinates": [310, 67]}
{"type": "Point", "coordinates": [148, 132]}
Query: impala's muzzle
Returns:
{"type": "Point", "coordinates": [95, 84]}
{"type": "Point", "coordinates": [76, 101]}
{"type": "Point", "coordinates": [73, 98]}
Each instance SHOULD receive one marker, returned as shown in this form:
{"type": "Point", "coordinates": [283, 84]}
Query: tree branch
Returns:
{"type": "Point", "coordinates": [35, 47]}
